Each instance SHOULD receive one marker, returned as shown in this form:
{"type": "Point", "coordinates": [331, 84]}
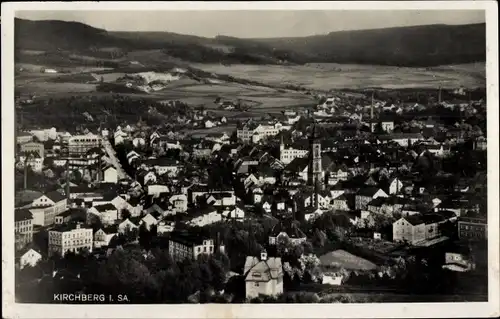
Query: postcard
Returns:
{"type": "Point", "coordinates": [250, 159]}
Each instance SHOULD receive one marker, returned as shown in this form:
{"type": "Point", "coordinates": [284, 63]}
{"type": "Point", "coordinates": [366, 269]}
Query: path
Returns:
{"type": "Point", "coordinates": [110, 151]}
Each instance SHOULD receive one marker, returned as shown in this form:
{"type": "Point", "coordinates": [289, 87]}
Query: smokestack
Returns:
{"type": "Point", "coordinates": [25, 171]}
{"type": "Point", "coordinates": [67, 180]}
{"type": "Point", "coordinates": [439, 95]}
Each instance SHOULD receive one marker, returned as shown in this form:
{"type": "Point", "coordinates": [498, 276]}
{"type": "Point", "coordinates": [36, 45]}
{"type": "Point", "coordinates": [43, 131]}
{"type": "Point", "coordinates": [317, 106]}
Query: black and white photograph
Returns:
{"type": "Point", "coordinates": [215, 155]}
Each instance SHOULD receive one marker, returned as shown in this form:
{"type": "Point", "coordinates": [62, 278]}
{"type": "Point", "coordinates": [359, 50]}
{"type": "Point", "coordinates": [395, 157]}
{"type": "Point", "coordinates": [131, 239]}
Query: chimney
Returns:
{"type": "Point", "coordinates": [67, 180]}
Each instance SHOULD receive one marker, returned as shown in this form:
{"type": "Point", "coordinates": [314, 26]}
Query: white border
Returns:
{"type": "Point", "coordinates": [380, 310]}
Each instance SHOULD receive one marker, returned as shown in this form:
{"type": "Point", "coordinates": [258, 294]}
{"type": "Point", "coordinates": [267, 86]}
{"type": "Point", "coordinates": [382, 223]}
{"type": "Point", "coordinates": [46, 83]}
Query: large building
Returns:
{"type": "Point", "coordinates": [23, 227]}
{"type": "Point", "coordinates": [182, 245]}
{"type": "Point", "coordinates": [255, 132]}
{"type": "Point", "coordinates": [264, 276]}
{"type": "Point", "coordinates": [288, 154]}
{"type": "Point", "coordinates": [80, 144]}
{"type": "Point", "coordinates": [70, 238]}
{"type": "Point", "coordinates": [32, 148]}
{"type": "Point", "coordinates": [474, 229]}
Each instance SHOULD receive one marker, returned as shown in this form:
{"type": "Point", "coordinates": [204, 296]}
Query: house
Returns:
{"type": "Point", "coordinates": [179, 203]}
{"type": "Point", "coordinates": [459, 260]}
{"type": "Point", "coordinates": [209, 124]}
{"type": "Point", "coordinates": [395, 186]}
{"type": "Point", "coordinates": [235, 213]}
{"type": "Point", "coordinates": [149, 220]}
{"type": "Point", "coordinates": [472, 228]}
{"type": "Point", "coordinates": [287, 231]}
{"type": "Point", "coordinates": [263, 276]}
{"type": "Point", "coordinates": [146, 177]}
{"type": "Point", "coordinates": [110, 175]}
{"type": "Point", "coordinates": [155, 190]}
{"type": "Point", "coordinates": [204, 217]}
{"type": "Point", "coordinates": [403, 139]}
{"type": "Point", "coordinates": [33, 147]}
{"type": "Point", "coordinates": [311, 213]}
{"type": "Point", "coordinates": [29, 257]}
{"type": "Point", "coordinates": [417, 228]}
{"type": "Point", "coordinates": [182, 245]}
{"type": "Point", "coordinates": [107, 214]}
{"type": "Point", "coordinates": [103, 236]}
{"type": "Point", "coordinates": [127, 225]}
{"type": "Point", "coordinates": [162, 166]}
{"type": "Point", "coordinates": [46, 207]}
{"type": "Point", "coordinates": [257, 194]}
{"type": "Point", "coordinates": [69, 215]}
{"type": "Point", "coordinates": [288, 154]}
{"type": "Point", "coordinates": [24, 137]}
{"type": "Point", "coordinates": [366, 195]}
{"type": "Point", "coordinates": [33, 161]}
{"type": "Point", "coordinates": [23, 227]}
{"type": "Point", "coordinates": [132, 156]}
{"type": "Point", "coordinates": [70, 237]}
{"type": "Point", "coordinates": [138, 142]}
{"type": "Point", "coordinates": [340, 203]}
{"type": "Point", "coordinates": [219, 199]}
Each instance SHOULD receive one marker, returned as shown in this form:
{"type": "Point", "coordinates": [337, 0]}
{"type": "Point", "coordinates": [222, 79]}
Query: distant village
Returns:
{"type": "Point", "coordinates": [339, 197]}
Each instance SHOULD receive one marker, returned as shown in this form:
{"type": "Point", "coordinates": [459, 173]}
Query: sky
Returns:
{"type": "Point", "coordinates": [257, 24]}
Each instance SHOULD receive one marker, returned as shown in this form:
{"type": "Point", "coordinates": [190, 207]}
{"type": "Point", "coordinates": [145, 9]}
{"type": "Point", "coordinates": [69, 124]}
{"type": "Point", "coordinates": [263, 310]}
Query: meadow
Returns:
{"type": "Point", "coordinates": [326, 76]}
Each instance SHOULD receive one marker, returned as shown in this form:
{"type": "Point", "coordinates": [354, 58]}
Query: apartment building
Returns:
{"type": "Point", "coordinates": [80, 144]}
{"type": "Point", "coordinates": [23, 227]}
{"type": "Point", "coordinates": [70, 238]}
{"type": "Point", "coordinates": [183, 245]}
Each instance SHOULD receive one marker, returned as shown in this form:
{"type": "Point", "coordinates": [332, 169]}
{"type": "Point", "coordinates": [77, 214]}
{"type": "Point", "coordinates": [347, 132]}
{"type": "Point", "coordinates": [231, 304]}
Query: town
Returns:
{"type": "Point", "coordinates": [360, 198]}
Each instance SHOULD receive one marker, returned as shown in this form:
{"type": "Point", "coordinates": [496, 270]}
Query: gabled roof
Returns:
{"type": "Point", "coordinates": [21, 214]}
{"type": "Point", "coordinates": [55, 196]}
{"type": "Point", "coordinates": [105, 207]}
{"type": "Point", "coordinates": [268, 269]}
{"type": "Point", "coordinates": [367, 191]}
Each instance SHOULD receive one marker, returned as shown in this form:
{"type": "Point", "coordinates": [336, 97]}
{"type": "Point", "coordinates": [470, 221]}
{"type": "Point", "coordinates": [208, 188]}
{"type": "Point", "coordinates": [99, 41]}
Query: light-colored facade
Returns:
{"type": "Point", "coordinates": [33, 147]}
{"type": "Point", "coordinates": [255, 133]}
{"type": "Point", "coordinates": [29, 258]}
{"type": "Point", "coordinates": [287, 155]}
{"type": "Point", "coordinates": [110, 175]}
{"type": "Point", "coordinates": [263, 277]}
{"type": "Point", "coordinates": [80, 144]}
{"type": "Point", "coordinates": [181, 247]}
{"type": "Point", "coordinates": [23, 227]}
{"type": "Point", "coordinates": [70, 239]}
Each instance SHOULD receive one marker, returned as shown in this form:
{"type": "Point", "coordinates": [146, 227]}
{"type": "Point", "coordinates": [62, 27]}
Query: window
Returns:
{"type": "Point", "coordinates": [256, 284]}
{"type": "Point", "coordinates": [204, 249]}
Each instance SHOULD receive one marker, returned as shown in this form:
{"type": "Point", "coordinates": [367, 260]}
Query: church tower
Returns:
{"type": "Point", "coordinates": [315, 169]}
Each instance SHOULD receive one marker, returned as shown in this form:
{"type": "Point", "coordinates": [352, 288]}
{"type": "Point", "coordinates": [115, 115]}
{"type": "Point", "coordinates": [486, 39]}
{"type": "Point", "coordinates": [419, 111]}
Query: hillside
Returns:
{"type": "Point", "coordinates": [428, 45]}
{"type": "Point", "coordinates": [405, 46]}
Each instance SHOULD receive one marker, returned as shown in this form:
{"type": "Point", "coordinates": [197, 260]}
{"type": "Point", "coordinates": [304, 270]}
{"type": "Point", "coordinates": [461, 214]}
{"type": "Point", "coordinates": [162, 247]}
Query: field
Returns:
{"type": "Point", "coordinates": [326, 76]}
{"type": "Point", "coordinates": [343, 259]}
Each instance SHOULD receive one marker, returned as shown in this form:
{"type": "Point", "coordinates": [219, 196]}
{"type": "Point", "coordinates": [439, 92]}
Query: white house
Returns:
{"type": "Point", "coordinates": [107, 213]}
{"type": "Point", "coordinates": [234, 213]}
{"type": "Point", "coordinates": [110, 175]}
{"type": "Point", "coordinates": [103, 236]}
{"type": "Point", "coordinates": [395, 186]}
{"type": "Point", "coordinates": [126, 225]}
{"type": "Point", "coordinates": [179, 203]}
{"type": "Point", "coordinates": [29, 258]}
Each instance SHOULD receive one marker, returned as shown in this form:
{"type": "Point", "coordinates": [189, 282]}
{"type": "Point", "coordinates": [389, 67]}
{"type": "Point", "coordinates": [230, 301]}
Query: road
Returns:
{"type": "Point", "coordinates": [110, 151]}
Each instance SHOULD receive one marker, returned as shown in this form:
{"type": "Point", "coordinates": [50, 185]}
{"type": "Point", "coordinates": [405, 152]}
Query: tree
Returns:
{"type": "Point", "coordinates": [125, 214]}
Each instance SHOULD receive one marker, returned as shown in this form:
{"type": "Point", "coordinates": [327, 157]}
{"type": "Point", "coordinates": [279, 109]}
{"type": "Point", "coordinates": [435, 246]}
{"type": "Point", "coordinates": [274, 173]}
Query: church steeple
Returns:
{"type": "Point", "coordinates": [315, 169]}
